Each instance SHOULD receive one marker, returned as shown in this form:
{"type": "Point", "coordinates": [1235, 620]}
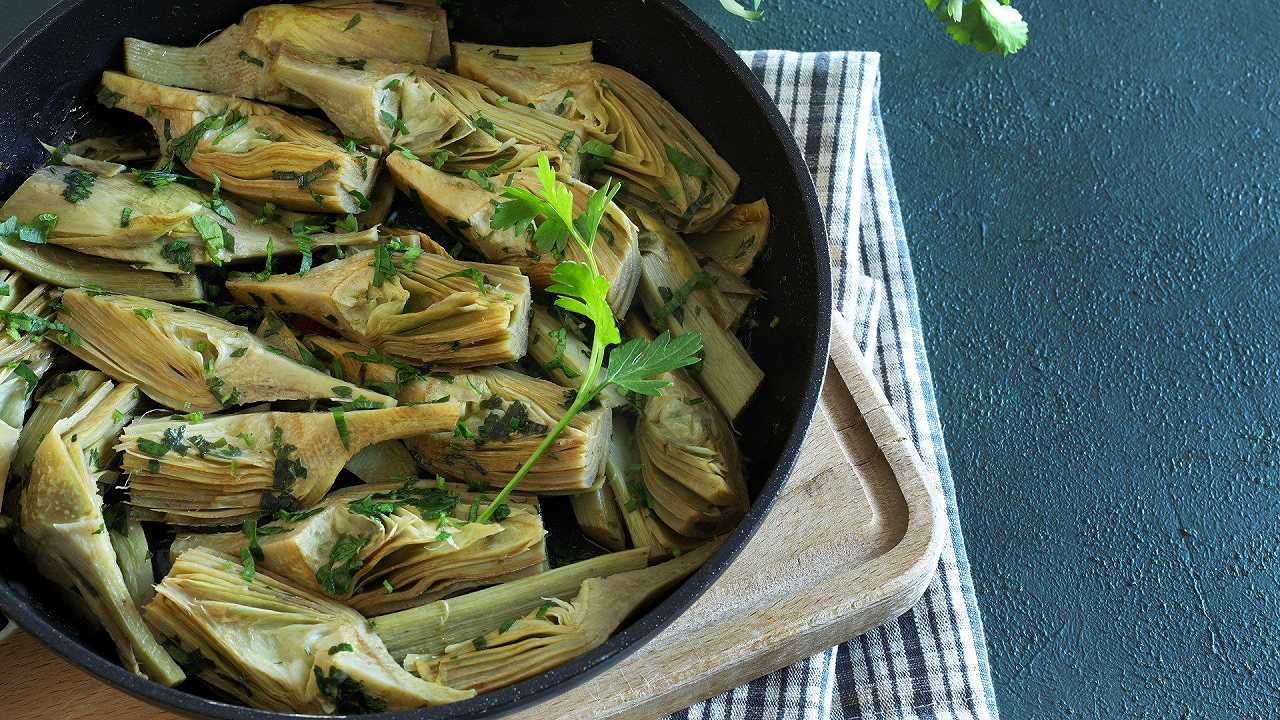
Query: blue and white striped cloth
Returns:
{"type": "Point", "coordinates": [932, 661]}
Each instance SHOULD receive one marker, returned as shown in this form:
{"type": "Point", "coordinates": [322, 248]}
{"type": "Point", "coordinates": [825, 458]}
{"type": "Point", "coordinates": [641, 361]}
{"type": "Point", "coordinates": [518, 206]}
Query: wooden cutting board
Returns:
{"type": "Point", "coordinates": [851, 542]}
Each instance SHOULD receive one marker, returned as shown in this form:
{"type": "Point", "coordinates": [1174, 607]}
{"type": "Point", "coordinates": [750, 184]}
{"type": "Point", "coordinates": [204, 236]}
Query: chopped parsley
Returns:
{"type": "Point", "coordinates": [354, 21]}
{"type": "Point", "coordinates": [251, 59]}
{"type": "Point", "coordinates": [338, 574]}
{"type": "Point", "coordinates": [79, 185]}
{"type": "Point", "coordinates": [126, 217]}
{"type": "Point", "coordinates": [472, 274]}
{"type": "Point", "coordinates": [340, 420]}
{"type": "Point", "coordinates": [686, 164]}
{"type": "Point", "coordinates": [673, 305]}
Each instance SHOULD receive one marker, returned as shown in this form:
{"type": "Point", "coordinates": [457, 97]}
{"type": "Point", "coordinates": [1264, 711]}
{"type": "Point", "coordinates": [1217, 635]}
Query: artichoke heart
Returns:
{"type": "Point", "coordinates": [638, 136]}
{"type": "Point", "coordinates": [468, 207]}
{"type": "Point", "coordinates": [234, 62]}
{"type": "Point", "coordinates": [185, 359]}
{"type": "Point", "coordinates": [169, 229]}
{"type": "Point", "coordinates": [691, 466]}
{"type": "Point", "coordinates": [556, 632]}
{"type": "Point", "coordinates": [277, 647]}
{"type": "Point", "coordinates": [506, 416]}
{"type": "Point", "coordinates": [424, 307]}
{"type": "Point", "coordinates": [64, 531]}
{"type": "Point", "coordinates": [381, 548]}
{"type": "Point", "coordinates": [223, 469]}
{"type": "Point", "coordinates": [456, 123]}
{"type": "Point", "coordinates": [256, 151]}
{"type": "Point", "coordinates": [24, 359]}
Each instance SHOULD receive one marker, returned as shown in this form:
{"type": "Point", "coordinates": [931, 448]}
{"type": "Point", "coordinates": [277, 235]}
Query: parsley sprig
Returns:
{"type": "Point", "coordinates": [582, 290]}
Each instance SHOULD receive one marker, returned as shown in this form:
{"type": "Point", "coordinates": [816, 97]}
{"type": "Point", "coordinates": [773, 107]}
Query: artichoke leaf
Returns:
{"type": "Point", "coordinates": [468, 208]}
{"type": "Point", "coordinates": [257, 151]}
{"type": "Point", "coordinates": [380, 548]}
{"type": "Point", "coordinates": [382, 462]}
{"type": "Point", "coordinates": [223, 469]}
{"type": "Point", "coordinates": [188, 360]}
{"type": "Point", "coordinates": [234, 62]}
{"type": "Point", "coordinates": [661, 158]}
{"type": "Point", "coordinates": [135, 148]}
{"type": "Point", "coordinates": [278, 647]}
{"type": "Point", "coordinates": [558, 631]}
{"type": "Point", "coordinates": [64, 532]}
{"type": "Point", "coordinates": [431, 309]}
{"type": "Point", "coordinates": [69, 269]}
{"type": "Point", "coordinates": [599, 518]}
{"type": "Point", "coordinates": [24, 359]}
{"type": "Point", "coordinates": [155, 228]}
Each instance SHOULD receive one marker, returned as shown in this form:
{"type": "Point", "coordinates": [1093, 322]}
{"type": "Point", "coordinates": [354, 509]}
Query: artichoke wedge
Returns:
{"type": "Point", "coordinates": [64, 532]}
{"type": "Point", "coordinates": [507, 415]}
{"type": "Point", "coordinates": [556, 632]}
{"type": "Point", "coordinates": [188, 360]}
{"type": "Point", "coordinates": [468, 207]}
{"type": "Point", "coordinates": [169, 229]}
{"type": "Point", "coordinates": [227, 468]}
{"type": "Point", "coordinates": [737, 239]}
{"type": "Point", "coordinates": [638, 136]}
{"type": "Point", "coordinates": [380, 548]}
{"type": "Point", "coordinates": [427, 308]}
{"type": "Point", "coordinates": [234, 62]}
{"type": "Point", "coordinates": [23, 361]}
{"type": "Point", "coordinates": [258, 151]}
{"type": "Point", "coordinates": [429, 629]}
{"type": "Point", "coordinates": [455, 123]}
{"type": "Point", "coordinates": [135, 148]}
{"type": "Point", "coordinates": [599, 518]}
{"type": "Point", "coordinates": [657, 238]}
{"type": "Point", "coordinates": [273, 646]}
{"type": "Point", "coordinates": [673, 299]}
{"type": "Point", "coordinates": [67, 268]}
{"type": "Point", "coordinates": [132, 553]}
{"type": "Point", "coordinates": [689, 458]}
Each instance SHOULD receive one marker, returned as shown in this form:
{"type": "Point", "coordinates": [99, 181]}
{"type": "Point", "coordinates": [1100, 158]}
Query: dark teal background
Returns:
{"type": "Point", "coordinates": [1094, 228]}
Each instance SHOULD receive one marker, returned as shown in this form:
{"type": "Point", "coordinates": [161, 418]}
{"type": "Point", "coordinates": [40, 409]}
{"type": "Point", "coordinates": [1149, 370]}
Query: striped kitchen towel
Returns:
{"type": "Point", "coordinates": [932, 661]}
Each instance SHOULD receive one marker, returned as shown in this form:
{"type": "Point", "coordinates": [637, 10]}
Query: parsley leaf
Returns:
{"type": "Point", "coordinates": [211, 233]}
{"type": "Point", "coordinates": [632, 365]}
{"type": "Point", "coordinates": [987, 25]}
{"type": "Point", "coordinates": [737, 8]}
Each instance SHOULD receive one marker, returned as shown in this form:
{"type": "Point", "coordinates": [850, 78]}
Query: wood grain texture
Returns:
{"type": "Point", "coordinates": [851, 542]}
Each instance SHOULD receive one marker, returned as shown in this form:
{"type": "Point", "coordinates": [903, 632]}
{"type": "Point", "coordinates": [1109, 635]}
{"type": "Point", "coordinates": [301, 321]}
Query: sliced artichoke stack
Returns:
{"type": "Point", "coordinates": [468, 207]}
{"type": "Point", "coordinates": [234, 62]}
{"type": "Point", "coordinates": [689, 458]}
{"type": "Point", "coordinates": [188, 360]}
{"type": "Point", "coordinates": [385, 547]}
{"type": "Point", "coordinates": [428, 308]}
{"type": "Point", "coordinates": [23, 361]}
{"type": "Point", "coordinates": [257, 151]}
{"type": "Point", "coordinates": [171, 228]}
{"type": "Point", "coordinates": [271, 645]}
{"type": "Point", "coordinates": [661, 157]}
{"type": "Point", "coordinates": [64, 531]}
{"type": "Point", "coordinates": [507, 416]}
{"type": "Point", "coordinates": [556, 632]}
{"type": "Point", "coordinates": [224, 469]}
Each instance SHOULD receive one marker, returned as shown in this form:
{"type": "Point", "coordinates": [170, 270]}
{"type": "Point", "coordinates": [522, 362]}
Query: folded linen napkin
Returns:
{"type": "Point", "coordinates": [932, 661]}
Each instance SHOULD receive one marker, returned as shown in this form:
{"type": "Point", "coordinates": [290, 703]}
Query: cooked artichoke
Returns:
{"type": "Point", "coordinates": [23, 361]}
{"type": "Point", "coordinates": [672, 301]}
{"type": "Point", "coordinates": [64, 531]}
{"type": "Point", "coordinates": [385, 547]}
{"type": "Point", "coordinates": [658, 239]}
{"type": "Point", "coordinates": [429, 629]}
{"type": "Point", "coordinates": [258, 151]}
{"type": "Point", "coordinates": [689, 458]}
{"type": "Point", "coordinates": [599, 518]}
{"type": "Point", "coordinates": [133, 148]}
{"type": "Point", "coordinates": [626, 479]}
{"type": "Point", "coordinates": [234, 62]}
{"type": "Point", "coordinates": [456, 123]}
{"type": "Point", "coordinates": [428, 308]}
{"type": "Point", "coordinates": [507, 415]}
{"type": "Point", "coordinates": [382, 462]}
{"type": "Point", "coordinates": [133, 554]}
{"type": "Point", "coordinates": [223, 469]}
{"type": "Point", "coordinates": [169, 229]}
{"type": "Point", "coordinates": [738, 238]}
{"type": "Point", "coordinates": [278, 647]}
{"type": "Point", "coordinates": [468, 207]}
{"type": "Point", "coordinates": [185, 359]}
{"type": "Point", "coordinates": [662, 159]}
{"type": "Point", "coordinates": [67, 268]}
{"type": "Point", "coordinates": [556, 632]}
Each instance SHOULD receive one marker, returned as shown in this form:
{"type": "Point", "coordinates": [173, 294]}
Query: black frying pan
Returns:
{"type": "Point", "coordinates": [47, 79]}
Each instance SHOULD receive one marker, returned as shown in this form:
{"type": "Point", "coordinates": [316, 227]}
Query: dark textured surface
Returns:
{"type": "Point", "coordinates": [1094, 230]}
